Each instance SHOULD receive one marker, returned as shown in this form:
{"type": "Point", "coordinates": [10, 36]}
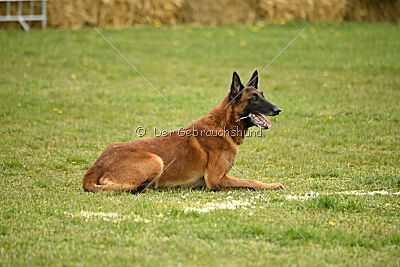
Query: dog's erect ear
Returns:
{"type": "Point", "coordinates": [253, 82]}
{"type": "Point", "coordinates": [236, 86]}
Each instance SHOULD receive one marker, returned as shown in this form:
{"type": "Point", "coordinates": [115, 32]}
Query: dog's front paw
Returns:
{"type": "Point", "coordinates": [276, 186]}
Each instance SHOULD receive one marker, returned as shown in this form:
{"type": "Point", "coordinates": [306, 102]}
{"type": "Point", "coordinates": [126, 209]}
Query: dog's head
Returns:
{"type": "Point", "coordinates": [248, 103]}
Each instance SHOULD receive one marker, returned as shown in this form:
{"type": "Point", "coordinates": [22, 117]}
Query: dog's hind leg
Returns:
{"type": "Point", "coordinates": [123, 169]}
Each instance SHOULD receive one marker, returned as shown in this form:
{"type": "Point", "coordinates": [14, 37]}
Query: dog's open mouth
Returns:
{"type": "Point", "coordinates": [260, 121]}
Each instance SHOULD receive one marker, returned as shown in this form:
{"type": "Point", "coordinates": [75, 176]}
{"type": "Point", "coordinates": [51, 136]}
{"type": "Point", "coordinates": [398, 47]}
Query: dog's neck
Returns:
{"type": "Point", "coordinates": [225, 118]}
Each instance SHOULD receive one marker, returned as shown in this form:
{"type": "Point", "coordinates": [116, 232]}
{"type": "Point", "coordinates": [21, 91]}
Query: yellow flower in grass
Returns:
{"type": "Point", "coordinates": [231, 33]}
{"type": "Point", "coordinates": [19, 105]}
{"type": "Point", "coordinates": [243, 43]}
{"type": "Point", "coordinates": [331, 29]}
{"type": "Point", "coordinates": [73, 76]}
{"type": "Point", "coordinates": [60, 112]}
{"type": "Point", "coordinates": [304, 35]}
{"type": "Point", "coordinates": [85, 63]}
{"type": "Point", "coordinates": [312, 30]}
{"type": "Point", "coordinates": [285, 131]}
{"type": "Point", "coordinates": [25, 75]}
{"type": "Point", "coordinates": [73, 162]}
{"type": "Point", "coordinates": [29, 63]}
{"type": "Point", "coordinates": [331, 223]}
{"type": "Point", "coordinates": [294, 82]}
{"type": "Point", "coordinates": [282, 21]}
{"type": "Point", "coordinates": [254, 29]}
{"type": "Point", "coordinates": [330, 117]}
{"type": "Point", "coordinates": [325, 74]}
{"type": "Point", "coordinates": [68, 133]}
{"type": "Point", "coordinates": [55, 109]}
{"type": "Point", "coordinates": [157, 24]}
{"type": "Point", "coordinates": [349, 86]}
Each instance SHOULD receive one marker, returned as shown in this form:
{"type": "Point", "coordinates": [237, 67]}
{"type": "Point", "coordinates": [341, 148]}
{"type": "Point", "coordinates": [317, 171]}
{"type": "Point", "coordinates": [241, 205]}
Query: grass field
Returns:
{"type": "Point", "coordinates": [65, 95]}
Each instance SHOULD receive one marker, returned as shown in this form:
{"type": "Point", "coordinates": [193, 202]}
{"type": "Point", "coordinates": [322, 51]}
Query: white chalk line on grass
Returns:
{"type": "Point", "coordinates": [211, 206]}
{"type": "Point", "coordinates": [250, 203]}
{"type": "Point", "coordinates": [229, 204]}
{"type": "Point", "coordinates": [311, 194]}
{"type": "Point", "coordinates": [105, 216]}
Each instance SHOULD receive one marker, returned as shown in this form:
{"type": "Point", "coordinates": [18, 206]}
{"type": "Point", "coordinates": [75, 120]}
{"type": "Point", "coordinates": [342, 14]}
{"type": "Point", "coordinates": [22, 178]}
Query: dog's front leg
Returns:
{"type": "Point", "coordinates": [231, 182]}
{"type": "Point", "coordinates": [216, 178]}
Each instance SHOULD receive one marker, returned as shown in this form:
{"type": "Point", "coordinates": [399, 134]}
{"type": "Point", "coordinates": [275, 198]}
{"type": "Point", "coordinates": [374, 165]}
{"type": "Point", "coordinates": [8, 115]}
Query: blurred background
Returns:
{"type": "Point", "coordinates": [124, 13]}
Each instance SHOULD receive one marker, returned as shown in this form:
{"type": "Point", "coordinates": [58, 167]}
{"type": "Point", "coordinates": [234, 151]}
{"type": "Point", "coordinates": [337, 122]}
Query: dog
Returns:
{"type": "Point", "coordinates": [192, 157]}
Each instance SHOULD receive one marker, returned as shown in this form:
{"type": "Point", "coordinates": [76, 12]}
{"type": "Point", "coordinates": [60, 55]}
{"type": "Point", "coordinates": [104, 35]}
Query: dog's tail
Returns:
{"type": "Point", "coordinates": [91, 178]}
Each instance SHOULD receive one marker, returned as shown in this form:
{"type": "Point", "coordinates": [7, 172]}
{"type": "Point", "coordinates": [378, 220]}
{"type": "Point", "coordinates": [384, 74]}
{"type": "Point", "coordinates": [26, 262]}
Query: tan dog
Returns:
{"type": "Point", "coordinates": [200, 155]}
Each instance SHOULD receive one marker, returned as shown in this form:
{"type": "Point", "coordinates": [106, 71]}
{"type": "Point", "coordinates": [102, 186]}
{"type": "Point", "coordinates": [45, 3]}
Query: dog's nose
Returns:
{"type": "Point", "coordinates": [277, 110]}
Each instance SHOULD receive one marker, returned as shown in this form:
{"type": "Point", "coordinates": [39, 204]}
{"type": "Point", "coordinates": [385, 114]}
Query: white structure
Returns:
{"type": "Point", "coordinates": [23, 18]}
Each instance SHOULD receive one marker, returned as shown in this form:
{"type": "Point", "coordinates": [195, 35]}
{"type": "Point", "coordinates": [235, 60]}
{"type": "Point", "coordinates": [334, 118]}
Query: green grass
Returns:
{"type": "Point", "coordinates": [339, 131]}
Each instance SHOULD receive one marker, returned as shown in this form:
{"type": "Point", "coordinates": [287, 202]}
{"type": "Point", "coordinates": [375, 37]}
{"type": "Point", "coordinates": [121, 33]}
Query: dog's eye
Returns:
{"type": "Point", "coordinates": [254, 97]}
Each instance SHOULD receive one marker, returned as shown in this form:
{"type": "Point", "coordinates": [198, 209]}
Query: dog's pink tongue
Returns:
{"type": "Point", "coordinates": [268, 123]}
